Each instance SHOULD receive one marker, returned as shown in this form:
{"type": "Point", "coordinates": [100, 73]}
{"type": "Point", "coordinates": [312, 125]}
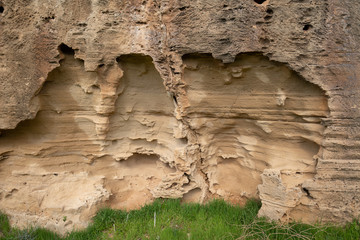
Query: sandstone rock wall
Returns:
{"type": "Point", "coordinates": [115, 103]}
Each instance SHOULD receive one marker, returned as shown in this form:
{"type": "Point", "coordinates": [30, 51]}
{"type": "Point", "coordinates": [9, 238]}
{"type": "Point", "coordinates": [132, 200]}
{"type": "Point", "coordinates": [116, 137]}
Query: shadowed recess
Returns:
{"type": "Point", "coordinates": [251, 115]}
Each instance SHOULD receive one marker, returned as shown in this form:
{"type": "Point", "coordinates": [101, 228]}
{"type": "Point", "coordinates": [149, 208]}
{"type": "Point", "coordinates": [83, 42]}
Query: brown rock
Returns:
{"type": "Point", "coordinates": [119, 102]}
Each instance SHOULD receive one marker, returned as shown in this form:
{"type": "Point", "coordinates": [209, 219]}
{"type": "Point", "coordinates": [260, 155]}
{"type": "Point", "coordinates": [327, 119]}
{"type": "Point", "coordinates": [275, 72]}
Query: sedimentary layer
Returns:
{"type": "Point", "coordinates": [116, 103]}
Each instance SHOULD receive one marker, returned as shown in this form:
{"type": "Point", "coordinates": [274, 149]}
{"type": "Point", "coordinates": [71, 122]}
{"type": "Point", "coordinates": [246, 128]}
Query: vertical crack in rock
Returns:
{"type": "Point", "coordinates": [253, 116]}
{"type": "Point", "coordinates": [144, 123]}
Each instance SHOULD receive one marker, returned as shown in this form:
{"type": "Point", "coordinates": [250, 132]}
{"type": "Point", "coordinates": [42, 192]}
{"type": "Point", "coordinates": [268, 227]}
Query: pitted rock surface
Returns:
{"type": "Point", "coordinates": [116, 103]}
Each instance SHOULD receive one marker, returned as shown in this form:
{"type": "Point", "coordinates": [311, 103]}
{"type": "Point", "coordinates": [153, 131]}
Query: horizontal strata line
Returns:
{"type": "Point", "coordinates": [336, 134]}
{"type": "Point", "coordinates": [342, 140]}
{"type": "Point", "coordinates": [255, 104]}
{"type": "Point", "coordinates": [335, 146]}
{"type": "Point", "coordinates": [337, 166]}
{"type": "Point", "coordinates": [76, 113]}
{"type": "Point", "coordinates": [340, 160]}
{"type": "Point", "coordinates": [90, 112]}
{"type": "Point", "coordinates": [136, 112]}
{"type": "Point", "coordinates": [350, 155]}
{"type": "Point", "coordinates": [340, 119]}
{"type": "Point", "coordinates": [344, 172]}
{"type": "Point", "coordinates": [261, 120]}
{"type": "Point", "coordinates": [334, 188]}
{"type": "Point", "coordinates": [271, 117]}
{"type": "Point", "coordinates": [265, 117]}
{"type": "Point", "coordinates": [277, 109]}
{"type": "Point", "coordinates": [252, 95]}
{"type": "Point", "coordinates": [92, 141]}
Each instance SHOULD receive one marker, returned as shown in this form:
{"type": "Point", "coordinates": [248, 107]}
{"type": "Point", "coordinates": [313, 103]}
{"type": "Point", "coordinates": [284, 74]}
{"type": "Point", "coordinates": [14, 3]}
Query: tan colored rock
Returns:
{"type": "Point", "coordinates": [241, 128]}
{"type": "Point", "coordinates": [277, 197]}
{"type": "Point", "coordinates": [116, 103]}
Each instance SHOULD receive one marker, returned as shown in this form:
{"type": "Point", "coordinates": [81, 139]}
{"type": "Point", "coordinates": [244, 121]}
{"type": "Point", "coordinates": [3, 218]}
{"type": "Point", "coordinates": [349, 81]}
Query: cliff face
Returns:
{"type": "Point", "coordinates": [115, 103]}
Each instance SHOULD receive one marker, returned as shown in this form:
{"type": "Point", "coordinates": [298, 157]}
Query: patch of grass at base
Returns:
{"type": "Point", "coordinates": [6, 232]}
{"type": "Point", "coordinates": [169, 219]}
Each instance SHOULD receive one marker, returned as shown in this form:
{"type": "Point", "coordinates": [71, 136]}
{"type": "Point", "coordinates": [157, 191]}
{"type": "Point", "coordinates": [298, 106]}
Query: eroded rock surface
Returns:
{"type": "Point", "coordinates": [252, 115]}
{"type": "Point", "coordinates": [116, 103]}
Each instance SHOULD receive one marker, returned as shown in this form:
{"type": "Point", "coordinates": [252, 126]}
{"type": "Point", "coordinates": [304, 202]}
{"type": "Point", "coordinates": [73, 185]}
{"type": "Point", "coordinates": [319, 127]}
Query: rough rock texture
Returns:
{"type": "Point", "coordinates": [115, 103]}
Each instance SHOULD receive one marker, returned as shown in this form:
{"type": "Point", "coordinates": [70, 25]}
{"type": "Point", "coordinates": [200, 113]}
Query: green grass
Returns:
{"type": "Point", "coordinates": [168, 219]}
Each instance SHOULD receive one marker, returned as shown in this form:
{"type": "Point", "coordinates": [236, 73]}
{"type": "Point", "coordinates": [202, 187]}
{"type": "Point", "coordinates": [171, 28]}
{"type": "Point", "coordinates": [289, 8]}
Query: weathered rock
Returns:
{"type": "Point", "coordinates": [119, 102]}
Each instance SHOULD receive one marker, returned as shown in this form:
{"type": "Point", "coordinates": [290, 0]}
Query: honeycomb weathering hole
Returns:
{"type": "Point", "coordinates": [63, 48]}
{"type": "Point", "coordinates": [307, 27]}
{"type": "Point", "coordinates": [269, 11]}
{"type": "Point", "coordinates": [251, 115]}
{"type": "Point", "coordinates": [259, 1]}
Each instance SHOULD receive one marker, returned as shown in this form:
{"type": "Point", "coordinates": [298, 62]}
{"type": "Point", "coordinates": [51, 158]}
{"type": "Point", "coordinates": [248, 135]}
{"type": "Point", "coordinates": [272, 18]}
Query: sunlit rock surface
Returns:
{"type": "Point", "coordinates": [116, 103]}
